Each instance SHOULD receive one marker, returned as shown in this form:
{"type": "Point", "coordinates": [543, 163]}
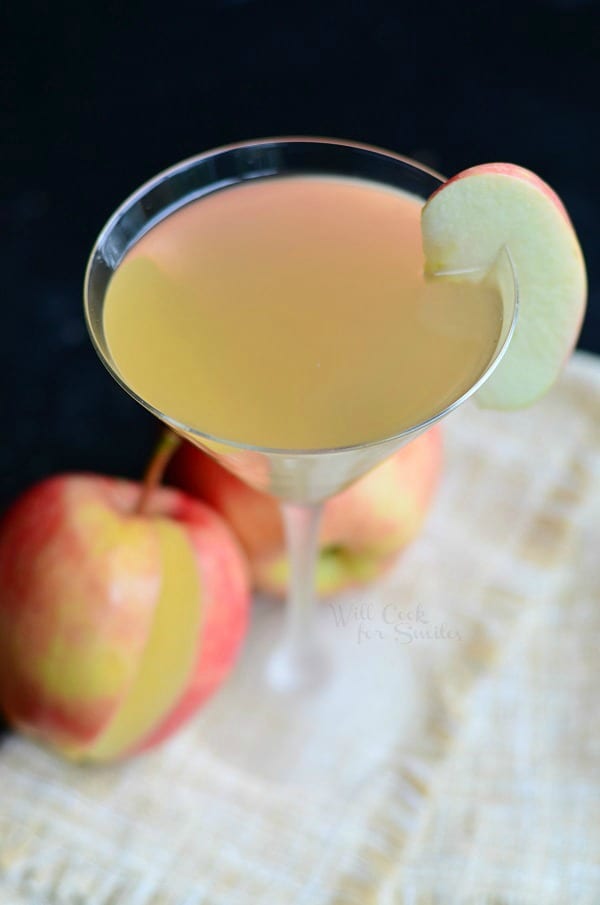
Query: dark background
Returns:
{"type": "Point", "coordinates": [97, 99]}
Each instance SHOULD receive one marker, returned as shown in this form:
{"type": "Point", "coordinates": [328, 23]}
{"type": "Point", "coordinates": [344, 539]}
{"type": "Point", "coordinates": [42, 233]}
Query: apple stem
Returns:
{"type": "Point", "coordinates": [155, 470]}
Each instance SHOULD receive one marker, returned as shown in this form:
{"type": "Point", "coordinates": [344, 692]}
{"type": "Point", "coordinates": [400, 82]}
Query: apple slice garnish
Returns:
{"type": "Point", "coordinates": [465, 225]}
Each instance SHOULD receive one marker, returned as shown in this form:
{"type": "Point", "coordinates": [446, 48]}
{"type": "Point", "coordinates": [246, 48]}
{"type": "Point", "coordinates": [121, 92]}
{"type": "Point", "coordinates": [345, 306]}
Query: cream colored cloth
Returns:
{"type": "Point", "coordinates": [453, 757]}
{"type": "Point", "coordinates": [513, 814]}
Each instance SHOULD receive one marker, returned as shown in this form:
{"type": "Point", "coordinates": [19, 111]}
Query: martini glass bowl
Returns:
{"type": "Point", "coordinates": [301, 479]}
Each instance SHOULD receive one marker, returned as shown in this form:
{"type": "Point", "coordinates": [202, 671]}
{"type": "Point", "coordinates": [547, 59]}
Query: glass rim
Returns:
{"type": "Point", "coordinates": [204, 436]}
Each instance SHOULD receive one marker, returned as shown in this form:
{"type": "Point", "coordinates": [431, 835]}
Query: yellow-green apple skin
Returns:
{"type": "Point", "coordinates": [363, 529]}
{"type": "Point", "coordinates": [80, 578]}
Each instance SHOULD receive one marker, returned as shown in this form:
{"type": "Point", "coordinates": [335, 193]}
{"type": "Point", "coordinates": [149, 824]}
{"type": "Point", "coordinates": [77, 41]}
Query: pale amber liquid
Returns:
{"type": "Point", "coordinates": [292, 312]}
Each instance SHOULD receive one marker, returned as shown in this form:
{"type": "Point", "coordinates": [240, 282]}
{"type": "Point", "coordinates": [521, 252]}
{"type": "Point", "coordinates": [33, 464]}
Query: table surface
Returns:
{"type": "Point", "coordinates": [458, 766]}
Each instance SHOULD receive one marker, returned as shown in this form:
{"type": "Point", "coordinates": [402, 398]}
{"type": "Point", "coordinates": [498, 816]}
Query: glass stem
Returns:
{"type": "Point", "coordinates": [299, 662]}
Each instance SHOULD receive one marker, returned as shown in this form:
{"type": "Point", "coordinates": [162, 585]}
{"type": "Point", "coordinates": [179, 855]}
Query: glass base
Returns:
{"type": "Point", "coordinates": [299, 668]}
{"type": "Point", "coordinates": [276, 721]}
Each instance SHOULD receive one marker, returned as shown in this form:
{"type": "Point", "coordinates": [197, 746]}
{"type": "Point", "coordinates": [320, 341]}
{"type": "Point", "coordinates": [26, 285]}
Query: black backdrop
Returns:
{"type": "Point", "coordinates": [97, 99]}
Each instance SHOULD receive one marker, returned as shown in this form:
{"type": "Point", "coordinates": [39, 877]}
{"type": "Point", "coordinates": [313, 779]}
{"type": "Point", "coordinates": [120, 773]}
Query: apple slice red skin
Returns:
{"type": "Point", "coordinates": [514, 171]}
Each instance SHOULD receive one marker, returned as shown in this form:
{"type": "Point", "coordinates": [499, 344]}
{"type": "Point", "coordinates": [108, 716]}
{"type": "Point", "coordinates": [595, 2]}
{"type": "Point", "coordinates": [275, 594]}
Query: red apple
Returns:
{"type": "Point", "coordinates": [114, 627]}
{"type": "Point", "coordinates": [363, 528]}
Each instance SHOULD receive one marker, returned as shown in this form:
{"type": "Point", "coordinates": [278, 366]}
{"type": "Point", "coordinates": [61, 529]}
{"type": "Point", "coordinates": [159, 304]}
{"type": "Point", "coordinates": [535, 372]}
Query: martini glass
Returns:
{"type": "Point", "coordinates": [301, 479]}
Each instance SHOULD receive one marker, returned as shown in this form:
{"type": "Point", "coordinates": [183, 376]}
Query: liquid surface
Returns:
{"type": "Point", "coordinates": [292, 312]}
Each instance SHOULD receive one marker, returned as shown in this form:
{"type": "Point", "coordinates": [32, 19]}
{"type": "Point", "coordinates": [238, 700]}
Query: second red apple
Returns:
{"type": "Point", "coordinates": [363, 529]}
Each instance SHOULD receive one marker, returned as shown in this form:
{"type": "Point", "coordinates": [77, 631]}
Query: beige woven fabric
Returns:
{"type": "Point", "coordinates": [452, 758]}
{"type": "Point", "coordinates": [513, 814]}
